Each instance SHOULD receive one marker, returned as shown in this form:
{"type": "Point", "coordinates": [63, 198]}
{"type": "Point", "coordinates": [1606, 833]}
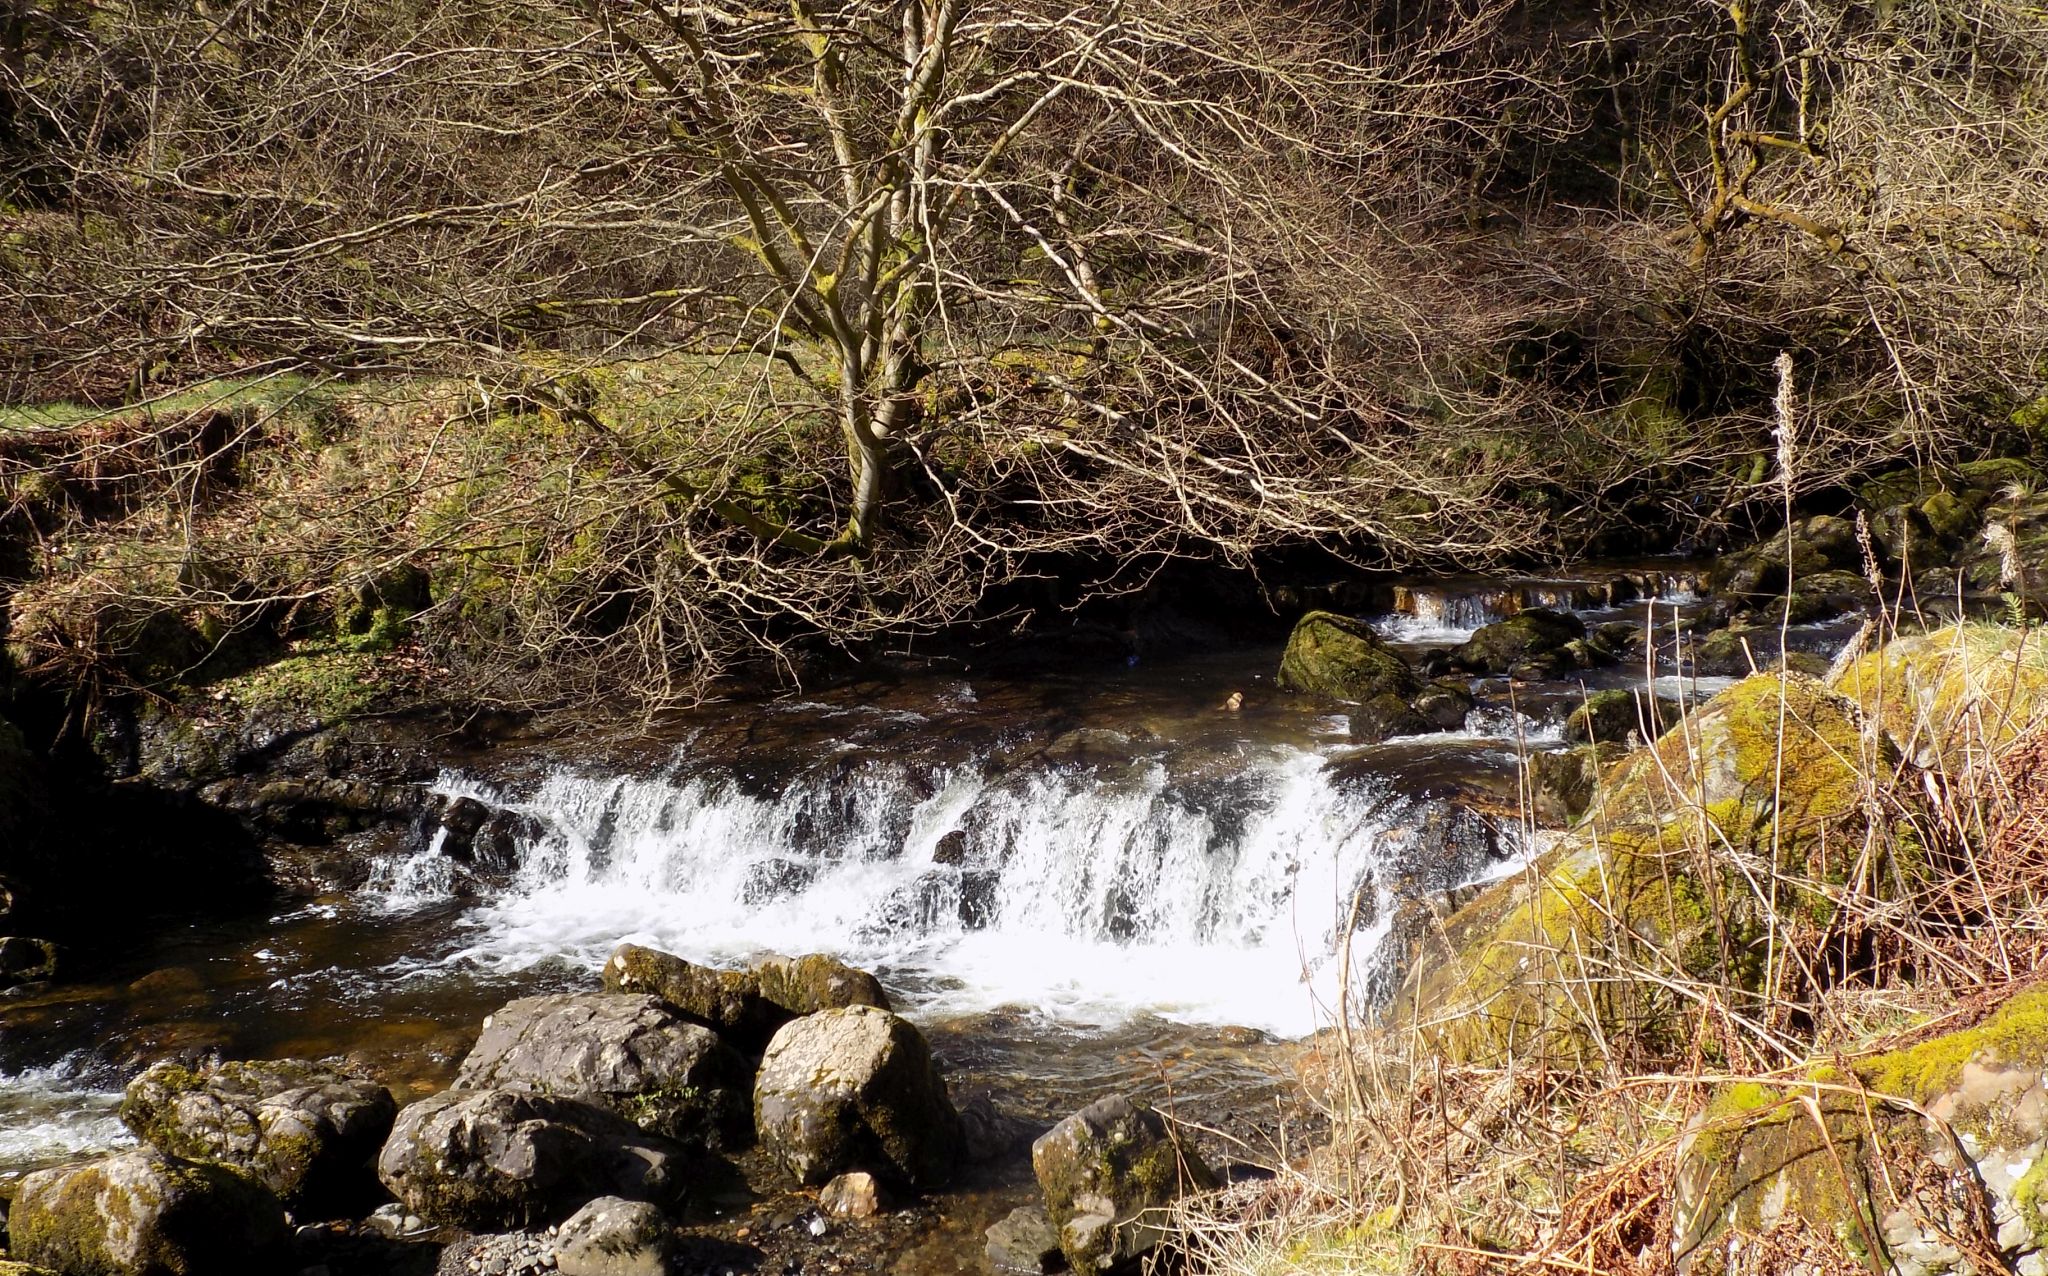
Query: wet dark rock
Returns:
{"type": "Point", "coordinates": [503, 1158]}
{"type": "Point", "coordinates": [1621, 716]}
{"type": "Point", "coordinates": [1532, 642]}
{"type": "Point", "coordinates": [1444, 704]}
{"type": "Point", "coordinates": [856, 1088]}
{"type": "Point", "coordinates": [777, 878]}
{"type": "Point", "coordinates": [626, 1052]}
{"type": "Point", "coordinates": [1806, 548]}
{"type": "Point", "coordinates": [1566, 781]}
{"type": "Point", "coordinates": [1344, 659]}
{"type": "Point", "coordinates": [615, 1237]}
{"type": "Point", "coordinates": [306, 1132]}
{"type": "Point", "coordinates": [1383, 717]}
{"type": "Point", "coordinates": [26, 961]}
{"type": "Point", "coordinates": [952, 848]}
{"type": "Point", "coordinates": [1025, 1241]}
{"type": "Point", "coordinates": [989, 1133]}
{"type": "Point", "coordinates": [1090, 746]}
{"type": "Point", "coordinates": [142, 1213]}
{"type": "Point", "coordinates": [1102, 1170]}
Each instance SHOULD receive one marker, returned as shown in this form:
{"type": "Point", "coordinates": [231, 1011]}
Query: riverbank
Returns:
{"type": "Point", "coordinates": [1133, 855]}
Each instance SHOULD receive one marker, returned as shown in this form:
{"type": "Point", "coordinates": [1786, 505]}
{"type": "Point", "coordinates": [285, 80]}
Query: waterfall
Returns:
{"type": "Point", "coordinates": [1198, 887]}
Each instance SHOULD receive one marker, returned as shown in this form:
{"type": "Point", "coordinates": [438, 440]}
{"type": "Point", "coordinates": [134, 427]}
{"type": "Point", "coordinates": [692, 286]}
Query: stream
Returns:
{"type": "Point", "coordinates": [1076, 884]}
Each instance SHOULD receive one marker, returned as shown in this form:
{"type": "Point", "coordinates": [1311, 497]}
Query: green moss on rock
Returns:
{"type": "Point", "coordinates": [1661, 874]}
{"type": "Point", "coordinates": [1343, 658]}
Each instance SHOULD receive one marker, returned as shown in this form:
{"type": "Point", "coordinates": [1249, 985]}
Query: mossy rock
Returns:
{"type": "Point", "coordinates": [1617, 714]}
{"type": "Point", "coordinates": [856, 1088]}
{"type": "Point", "coordinates": [145, 1214]}
{"type": "Point", "coordinates": [1815, 1150]}
{"type": "Point", "coordinates": [1806, 548]}
{"type": "Point", "coordinates": [1345, 659]}
{"type": "Point", "coordinates": [1535, 640]}
{"type": "Point", "coordinates": [1384, 716]}
{"type": "Point", "coordinates": [303, 1130]}
{"type": "Point", "coordinates": [1661, 872]}
{"type": "Point", "coordinates": [748, 1006]}
{"type": "Point", "coordinates": [1107, 1171]}
{"type": "Point", "coordinates": [1949, 695]}
{"type": "Point", "coordinates": [1566, 782]}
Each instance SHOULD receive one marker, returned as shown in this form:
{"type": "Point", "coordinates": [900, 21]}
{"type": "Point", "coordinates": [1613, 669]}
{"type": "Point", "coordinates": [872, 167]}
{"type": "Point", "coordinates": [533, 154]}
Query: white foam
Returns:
{"type": "Point", "coordinates": [57, 1113]}
{"type": "Point", "coordinates": [1088, 894]}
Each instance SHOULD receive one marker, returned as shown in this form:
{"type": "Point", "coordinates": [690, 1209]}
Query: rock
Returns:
{"type": "Point", "coordinates": [10, 1268]}
{"type": "Point", "coordinates": [1497, 975]}
{"type": "Point", "coordinates": [990, 1133]}
{"type": "Point", "coordinates": [1620, 717]}
{"type": "Point", "coordinates": [615, 1237]}
{"type": "Point", "coordinates": [855, 1087]}
{"type": "Point", "coordinates": [728, 1001]}
{"type": "Point", "coordinates": [1814, 545]}
{"type": "Point", "coordinates": [1755, 1157]}
{"type": "Point", "coordinates": [1025, 1241]}
{"type": "Point", "coordinates": [494, 1159]}
{"type": "Point", "coordinates": [306, 1132]}
{"type": "Point", "coordinates": [854, 1194]}
{"type": "Point", "coordinates": [805, 985]}
{"type": "Point", "coordinates": [1566, 782]}
{"type": "Point", "coordinates": [26, 961]}
{"type": "Point", "coordinates": [508, 1254]}
{"type": "Point", "coordinates": [627, 1052]}
{"type": "Point", "coordinates": [142, 1213]}
{"type": "Point", "coordinates": [1444, 704]}
{"type": "Point", "coordinates": [1345, 659]}
{"type": "Point", "coordinates": [1102, 1169]}
{"type": "Point", "coordinates": [746, 1007]}
{"type": "Point", "coordinates": [1533, 641]}
{"type": "Point", "coordinates": [1383, 717]}
{"type": "Point", "coordinates": [1944, 694]}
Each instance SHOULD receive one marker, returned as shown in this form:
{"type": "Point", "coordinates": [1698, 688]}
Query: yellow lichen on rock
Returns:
{"type": "Point", "coordinates": [1949, 696]}
{"type": "Point", "coordinates": [1700, 861]}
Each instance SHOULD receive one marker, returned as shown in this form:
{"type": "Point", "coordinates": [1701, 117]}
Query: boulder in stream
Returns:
{"type": "Point", "coordinates": [851, 1088]}
{"type": "Point", "coordinates": [1345, 659]}
{"type": "Point", "coordinates": [496, 1159]}
{"type": "Point", "coordinates": [307, 1132]}
{"type": "Point", "coordinates": [141, 1213]}
{"type": "Point", "coordinates": [1616, 714]}
{"type": "Point", "coordinates": [746, 1007]}
{"type": "Point", "coordinates": [1535, 641]}
{"type": "Point", "coordinates": [626, 1052]}
{"type": "Point", "coordinates": [1103, 1171]}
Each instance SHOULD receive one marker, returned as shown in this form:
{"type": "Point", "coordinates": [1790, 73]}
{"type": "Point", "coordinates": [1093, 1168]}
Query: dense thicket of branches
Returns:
{"type": "Point", "coordinates": [959, 287]}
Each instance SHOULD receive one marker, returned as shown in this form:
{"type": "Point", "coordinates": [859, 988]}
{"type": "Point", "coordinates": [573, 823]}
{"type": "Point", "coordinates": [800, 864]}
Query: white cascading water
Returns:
{"type": "Point", "coordinates": [1083, 892]}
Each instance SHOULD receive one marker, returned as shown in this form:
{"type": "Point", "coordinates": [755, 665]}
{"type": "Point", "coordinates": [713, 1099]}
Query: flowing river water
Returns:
{"type": "Point", "coordinates": [1077, 884]}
